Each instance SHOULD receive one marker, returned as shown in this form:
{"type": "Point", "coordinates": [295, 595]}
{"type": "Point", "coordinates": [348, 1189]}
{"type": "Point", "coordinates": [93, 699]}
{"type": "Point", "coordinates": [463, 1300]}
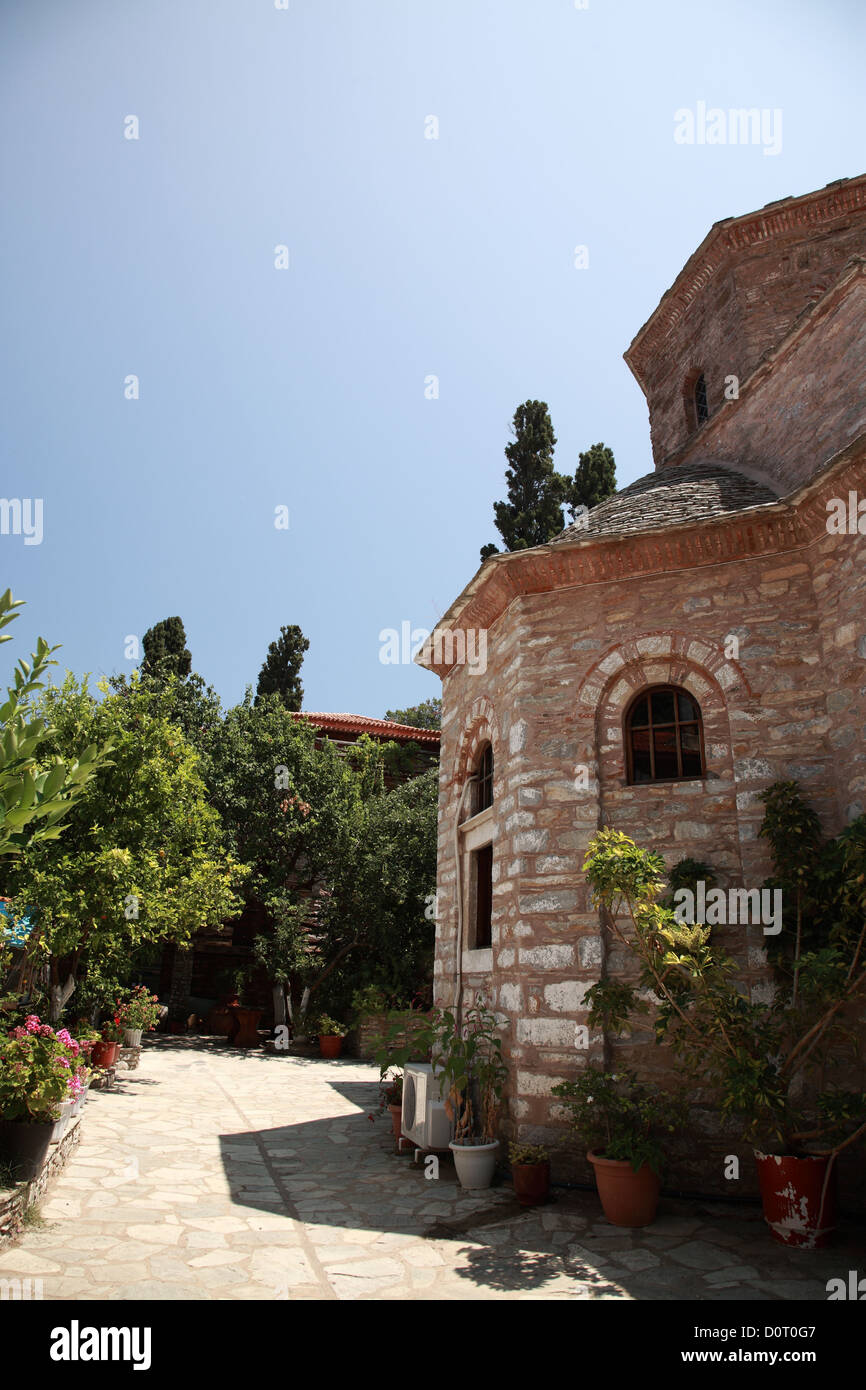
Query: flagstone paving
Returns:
{"type": "Point", "coordinates": [211, 1173]}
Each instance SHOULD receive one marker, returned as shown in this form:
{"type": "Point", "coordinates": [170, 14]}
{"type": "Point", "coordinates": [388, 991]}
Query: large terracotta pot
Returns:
{"type": "Point", "coordinates": [330, 1044]}
{"type": "Point", "coordinates": [246, 1034]}
{"type": "Point", "coordinates": [24, 1147]}
{"type": "Point", "coordinates": [799, 1203]}
{"type": "Point", "coordinates": [629, 1198]}
{"type": "Point", "coordinates": [531, 1183]}
{"type": "Point", "coordinates": [104, 1054]}
{"type": "Point", "coordinates": [475, 1163]}
{"type": "Point", "coordinates": [396, 1118]}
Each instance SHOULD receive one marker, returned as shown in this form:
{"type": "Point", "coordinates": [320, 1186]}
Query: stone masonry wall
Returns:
{"type": "Point", "coordinates": [738, 297]}
{"type": "Point", "coordinates": [773, 648]}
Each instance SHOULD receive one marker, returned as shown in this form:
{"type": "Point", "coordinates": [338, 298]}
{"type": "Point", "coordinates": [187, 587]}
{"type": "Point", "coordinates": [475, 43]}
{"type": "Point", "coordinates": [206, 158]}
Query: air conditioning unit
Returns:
{"type": "Point", "coordinates": [424, 1120]}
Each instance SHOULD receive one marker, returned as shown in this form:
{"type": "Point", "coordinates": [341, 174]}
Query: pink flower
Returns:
{"type": "Point", "coordinates": [32, 1023]}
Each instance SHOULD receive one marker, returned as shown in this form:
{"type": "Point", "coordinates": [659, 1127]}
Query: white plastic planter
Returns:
{"type": "Point", "coordinates": [475, 1163]}
{"type": "Point", "coordinates": [132, 1037]}
{"type": "Point", "coordinates": [62, 1123]}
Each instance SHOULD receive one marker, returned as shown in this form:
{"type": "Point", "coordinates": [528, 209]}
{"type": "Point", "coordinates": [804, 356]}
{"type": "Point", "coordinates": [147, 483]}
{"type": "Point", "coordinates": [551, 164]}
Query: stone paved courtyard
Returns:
{"type": "Point", "coordinates": [211, 1173]}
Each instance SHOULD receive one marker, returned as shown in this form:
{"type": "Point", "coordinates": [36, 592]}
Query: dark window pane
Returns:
{"type": "Point", "coordinates": [691, 744]}
{"type": "Point", "coordinates": [663, 707]}
{"type": "Point", "coordinates": [665, 743]}
{"type": "Point", "coordinates": [484, 896]}
{"type": "Point", "coordinates": [702, 412]}
{"type": "Point", "coordinates": [641, 765]}
{"type": "Point", "coordinates": [687, 707]}
{"type": "Point", "coordinates": [640, 714]}
{"type": "Point", "coordinates": [485, 779]}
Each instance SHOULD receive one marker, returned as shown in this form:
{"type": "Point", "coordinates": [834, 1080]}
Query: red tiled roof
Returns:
{"type": "Point", "coordinates": [362, 724]}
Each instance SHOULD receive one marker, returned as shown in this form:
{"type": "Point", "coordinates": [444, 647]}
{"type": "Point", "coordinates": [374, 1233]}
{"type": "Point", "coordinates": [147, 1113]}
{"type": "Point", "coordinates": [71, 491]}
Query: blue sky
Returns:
{"type": "Point", "coordinates": [408, 257]}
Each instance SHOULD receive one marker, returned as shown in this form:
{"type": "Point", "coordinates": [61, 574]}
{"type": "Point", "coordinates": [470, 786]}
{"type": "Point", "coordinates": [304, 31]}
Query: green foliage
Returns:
{"type": "Point", "coordinates": [142, 857]}
{"type": "Point", "coordinates": [532, 515]}
{"type": "Point", "coordinates": [594, 478]}
{"type": "Point", "coordinates": [325, 1026]}
{"type": "Point", "coordinates": [165, 650]}
{"type": "Point", "coordinates": [620, 1117]}
{"type": "Point", "coordinates": [378, 893]}
{"type": "Point", "coordinates": [764, 1060]}
{"type": "Point", "coordinates": [35, 1071]}
{"type": "Point", "coordinates": [529, 1154]}
{"type": "Point", "coordinates": [470, 1059]}
{"type": "Point", "coordinates": [38, 789]}
{"type": "Point", "coordinates": [281, 671]}
{"type": "Point", "coordinates": [427, 715]}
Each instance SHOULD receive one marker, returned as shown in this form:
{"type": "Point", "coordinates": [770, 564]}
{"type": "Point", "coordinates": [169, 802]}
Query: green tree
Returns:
{"type": "Point", "coordinates": [165, 650]}
{"type": "Point", "coordinates": [142, 858]}
{"type": "Point", "coordinates": [281, 671]}
{"type": "Point", "coordinates": [532, 515]}
{"type": "Point", "coordinates": [427, 715]}
{"type": "Point", "coordinates": [594, 479]}
{"type": "Point", "coordinates": [378, 912]}
{"type": "Point", "coordinates": [38, 789]}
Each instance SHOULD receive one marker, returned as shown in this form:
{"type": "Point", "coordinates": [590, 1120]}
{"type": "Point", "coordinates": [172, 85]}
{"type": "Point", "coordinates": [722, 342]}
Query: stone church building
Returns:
{"type": "Point", "coordinates": [698, 636]}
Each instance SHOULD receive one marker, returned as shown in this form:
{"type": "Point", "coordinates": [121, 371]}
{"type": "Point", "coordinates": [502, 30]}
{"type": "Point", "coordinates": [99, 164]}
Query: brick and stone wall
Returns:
{"type": "Point", "coordinates": [738, 297]}
{"type": "Point", "coordinates": [563, 664]}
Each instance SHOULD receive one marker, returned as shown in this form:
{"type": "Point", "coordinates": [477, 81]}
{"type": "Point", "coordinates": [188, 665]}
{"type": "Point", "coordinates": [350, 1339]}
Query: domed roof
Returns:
{"type": "Point", "coordinates": [669, 497]}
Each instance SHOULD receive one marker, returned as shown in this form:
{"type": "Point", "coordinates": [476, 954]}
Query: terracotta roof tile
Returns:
{"type": "Point", "coordinates": [363, 724]}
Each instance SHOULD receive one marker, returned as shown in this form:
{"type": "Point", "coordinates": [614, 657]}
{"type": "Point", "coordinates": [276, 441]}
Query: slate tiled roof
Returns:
{"type": "Point", "coordinates": [363, 724]}
{"type": "Point", "coordinates": [669, 497]}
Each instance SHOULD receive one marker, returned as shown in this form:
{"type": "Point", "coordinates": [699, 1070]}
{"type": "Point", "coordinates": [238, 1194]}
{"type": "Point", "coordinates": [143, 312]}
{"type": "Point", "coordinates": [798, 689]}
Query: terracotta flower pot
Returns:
{"type": "Point", "coordinates": [104, 1054]}
{"type": "Point", "coordinates": [330, 1044]}
{"type": "Point", "coordinates": [531, 1183]}
{"type": "Point", "coordinates": [221, 1020]}
{"type": "Point", "coordinates": [24, 1147]}
{"type": "Point", "coordinates": [799, 1206]}
{"type": "Point", "coordinates": [396, 1118]}
{"type": "Point", "coordinates": [628, 1198]}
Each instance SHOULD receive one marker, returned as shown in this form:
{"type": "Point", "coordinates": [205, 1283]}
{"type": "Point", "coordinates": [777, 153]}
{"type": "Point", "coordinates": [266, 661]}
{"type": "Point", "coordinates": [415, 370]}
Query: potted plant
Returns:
{"type": "Point", "coordinates": [330, 1034]}
{"type": "Point", "coordinates": [469, 1056]}
{"type": "Point", "coordinates": [139, 1013]}
{"type": "Point", "coordinates": [530, 1173]}
{"type": "Point", "coordinates": [763, 1057]}
{"type": "Point", "coordinates": [622, 1121]}
{"type": "Point", "coordinates": [104, 1052]}
{"type": "Point", "coordinates": [35, 1069]}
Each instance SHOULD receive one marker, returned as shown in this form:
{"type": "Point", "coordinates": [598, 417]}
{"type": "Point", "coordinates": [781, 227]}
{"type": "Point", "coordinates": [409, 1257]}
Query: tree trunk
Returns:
{"type": "Point", "coordinates": [280, 1014]}
{"type": "Point", "coordinates": [58, 996]}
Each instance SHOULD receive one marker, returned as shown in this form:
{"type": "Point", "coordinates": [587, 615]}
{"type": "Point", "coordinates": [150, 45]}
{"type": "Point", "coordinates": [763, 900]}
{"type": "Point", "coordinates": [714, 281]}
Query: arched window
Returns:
{"type": "Point", "coordinates": [664, 736]}
{"type": "Point", "coordinates": [484, 768]}
{"type": "Point", "coordinates": [702, 410]}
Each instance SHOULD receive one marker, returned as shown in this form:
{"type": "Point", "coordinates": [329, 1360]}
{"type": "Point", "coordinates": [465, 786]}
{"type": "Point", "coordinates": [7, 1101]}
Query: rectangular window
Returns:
{"type": "Point", "coordinates": [483, 878]}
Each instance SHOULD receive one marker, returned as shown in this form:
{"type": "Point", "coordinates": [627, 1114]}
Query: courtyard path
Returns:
{"type": "Point", "coordinates": [210, 1173]}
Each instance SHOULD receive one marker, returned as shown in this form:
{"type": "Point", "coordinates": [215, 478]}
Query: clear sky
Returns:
{"type": "Point", "coordinates": [409, 257]}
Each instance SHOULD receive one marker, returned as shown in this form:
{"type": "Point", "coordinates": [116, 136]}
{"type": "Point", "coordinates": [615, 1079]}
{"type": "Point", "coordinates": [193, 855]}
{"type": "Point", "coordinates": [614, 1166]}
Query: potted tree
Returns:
{"type": "Point", "coordinates": [139, 1013]}
{"type": "Point", "coordinates": [764, 1058]}
{"type": "Point", "coordinates": [330, 1034]}
{"type": "Point", "coordinates": [469, 1057]}
{"type": "Point", "coordinates": [104, 1052]}
{"type": "Point", "coordinates": [35, 1070]}
{"type": "Point", "coordinates": [530, 1173]}
{"type": "Point", "coordinates": [622, 1120]}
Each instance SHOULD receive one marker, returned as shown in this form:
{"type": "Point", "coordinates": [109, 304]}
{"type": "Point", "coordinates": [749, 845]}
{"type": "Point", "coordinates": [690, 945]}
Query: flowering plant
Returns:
{"type": "Point", "coordinates": [36, 1068]}
{"type": "Point", "coordinates": [621, 1117]}
{"type": "Point", "coordinates": [140, 1010]}
{"type": "Point", "coordinates": [113, 1030]}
